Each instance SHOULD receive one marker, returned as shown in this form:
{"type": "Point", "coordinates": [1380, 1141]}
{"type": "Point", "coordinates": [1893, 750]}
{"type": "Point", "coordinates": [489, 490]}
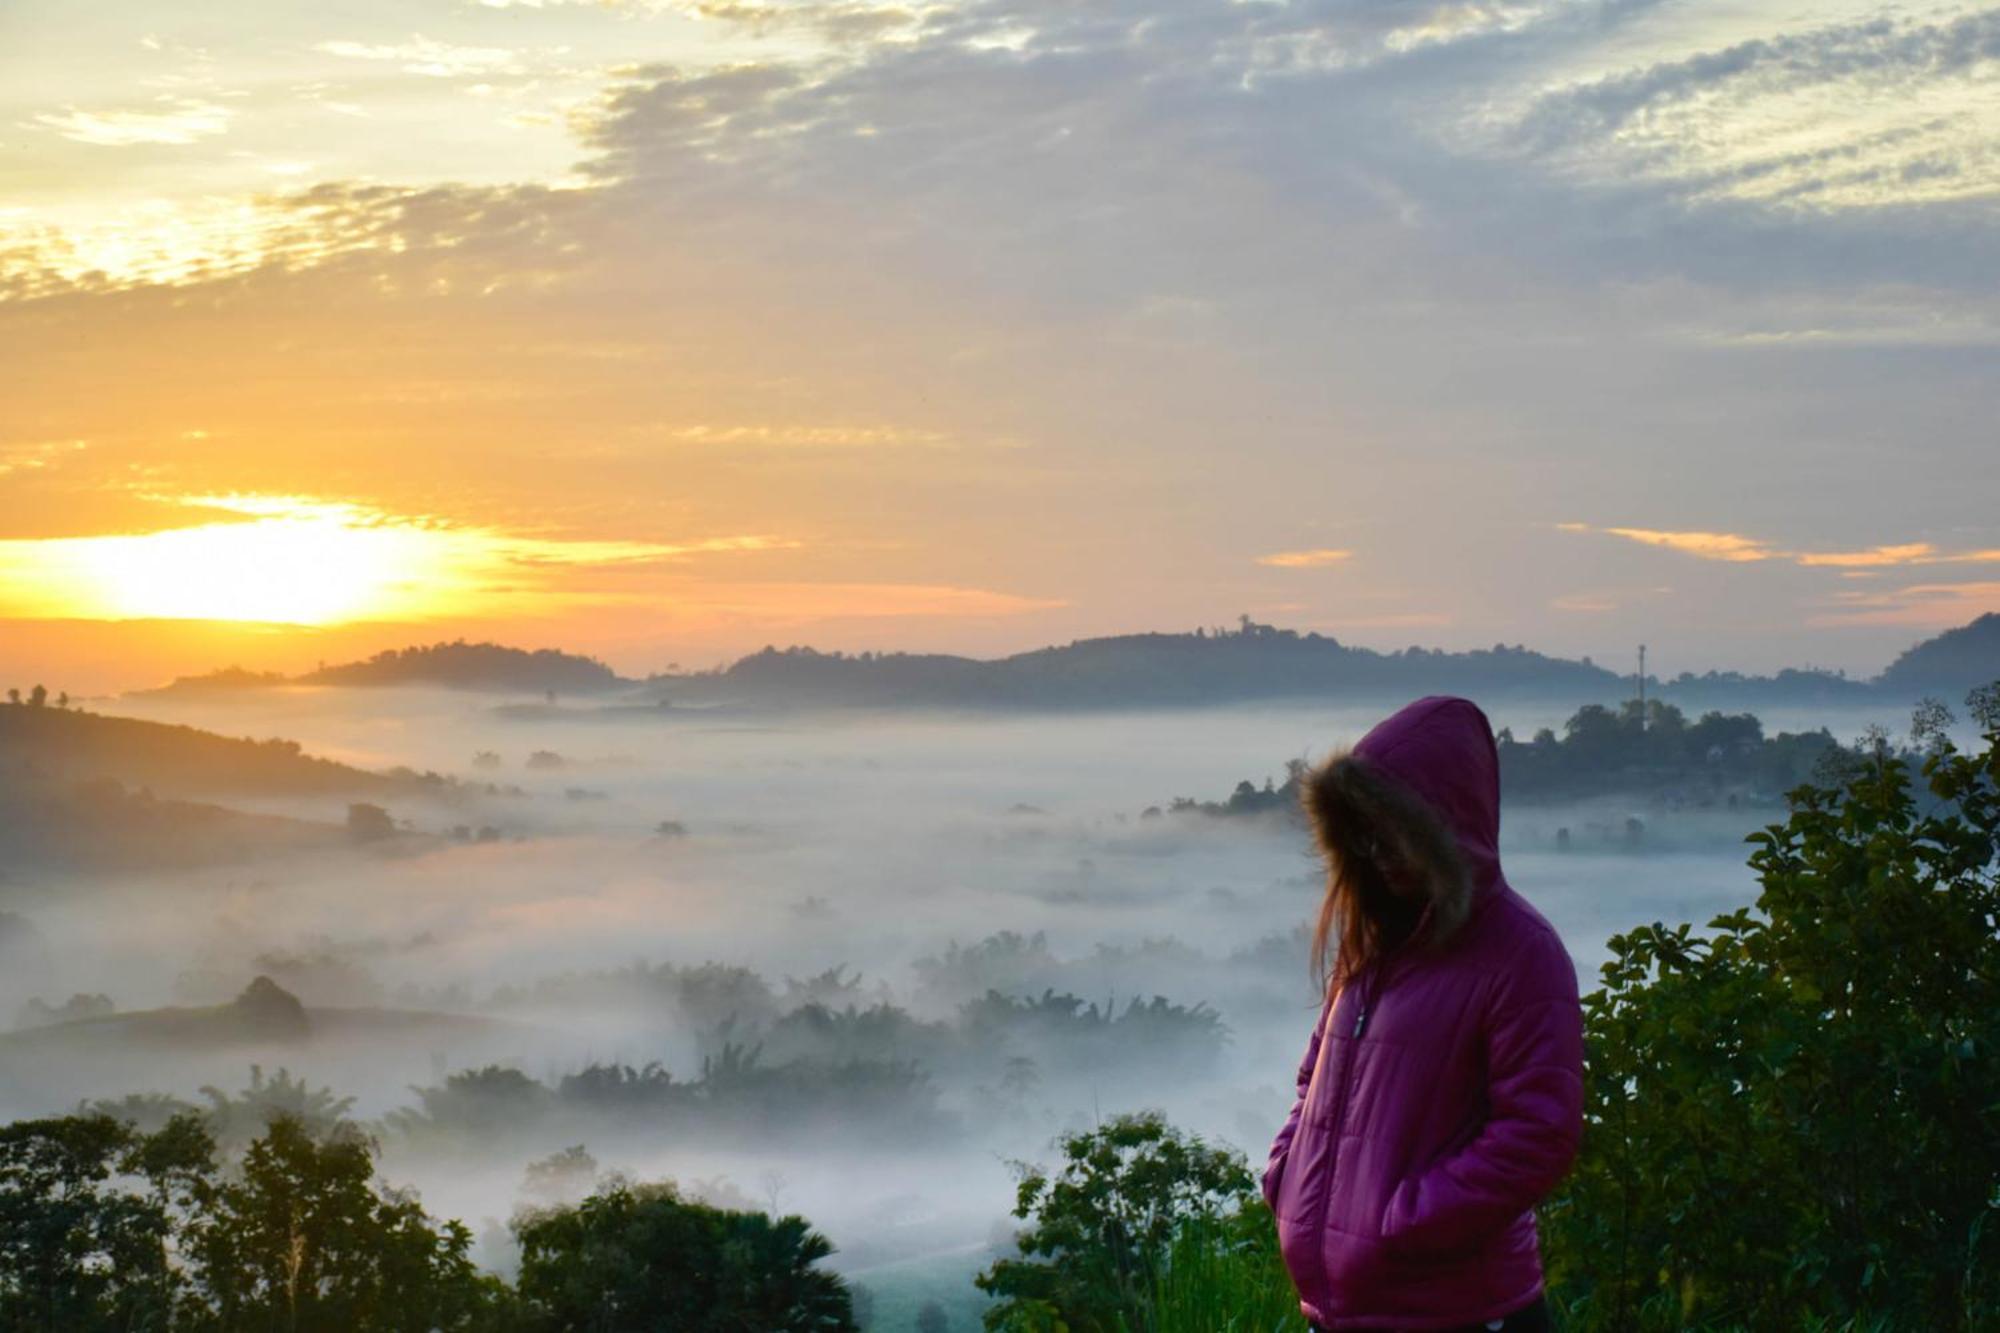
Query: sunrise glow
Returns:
{"type": "Point", "coordinates": [304, 564]}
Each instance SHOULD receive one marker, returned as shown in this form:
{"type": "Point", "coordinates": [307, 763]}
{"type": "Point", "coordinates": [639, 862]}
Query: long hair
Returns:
{"type": "Point", "coordinates": [1388, 858]}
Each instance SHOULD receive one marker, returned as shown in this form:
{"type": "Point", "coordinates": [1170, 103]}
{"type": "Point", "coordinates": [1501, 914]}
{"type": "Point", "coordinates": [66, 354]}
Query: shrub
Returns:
{"type": "Point", "coordinates": [637, 1258]}
{"type": "Point", "coordinates": [1797, 1116]}
{"type": "Point", "coordinates": [1103, 1226]}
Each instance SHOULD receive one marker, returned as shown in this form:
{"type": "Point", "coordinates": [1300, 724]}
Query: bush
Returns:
{"type": "Point", "coordinates": [638, 1258]}
{"type": "Point", "coordinates": [1797, 1116]}
{"type": "Point", "coordinates": [1104, 1226]}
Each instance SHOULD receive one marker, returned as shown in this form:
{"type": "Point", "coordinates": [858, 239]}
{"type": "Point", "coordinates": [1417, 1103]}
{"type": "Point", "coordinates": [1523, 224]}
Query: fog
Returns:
{"type": "Point", "coordinates": [644, 844]}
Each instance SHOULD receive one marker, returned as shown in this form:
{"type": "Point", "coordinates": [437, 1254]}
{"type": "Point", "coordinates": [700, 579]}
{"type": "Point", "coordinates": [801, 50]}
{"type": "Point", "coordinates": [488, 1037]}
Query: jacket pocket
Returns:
{"type": "Point", "coordinates": [1399, 1218]}
{"type": "Point", "coordinates": [1274, 1178]}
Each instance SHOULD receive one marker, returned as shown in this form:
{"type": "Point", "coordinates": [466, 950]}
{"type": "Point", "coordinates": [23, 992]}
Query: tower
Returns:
{"type": "Point", "coordinates": [1642, 687]}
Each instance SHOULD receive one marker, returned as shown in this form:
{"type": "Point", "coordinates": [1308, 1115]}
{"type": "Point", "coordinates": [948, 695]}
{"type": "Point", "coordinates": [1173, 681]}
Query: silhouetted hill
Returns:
{"type": "Point", "coordinates": [264, 1015]}
{"type": "Point", "coordinates": [474, 666]}
{"type": "Point", "coordinates": [1253, 662]}
{"type": "Point", "coordinates": [1138, 670]}
{"type": "Point", "coordinates": [1949, 665]}
{"type": "Point", "coordinates": [1258, 662]}
{"type": "Point", "coordinates": [57, 748]}
{"type": "Point", "coordinates": [454, 666]}
{"type": "Point", "coordinates": [99, 825]}
{"type": "Point", "coordinates": [222, 681]}
{"type": "Point", "coordinates": [1789, 686]}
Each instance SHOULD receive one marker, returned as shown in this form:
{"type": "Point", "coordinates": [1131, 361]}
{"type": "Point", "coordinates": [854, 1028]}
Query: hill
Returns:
{"type": "Point", "coordinates": [98, 825]}
{"type": "Point", "coordinates": [1949, 665]}
{"type": "Point", "coordinates": [474, 666]}
{"type": "Point", "coordinates": [56, 748]}
{"type": "Point", "coordinates": [1250, 663]}
{"type": "Point", "coordinates": [1255, 662]}
{"type": "Point", "coordinates": [452, 666]}
{"type": "Point", "coordinates": [265, 1015]}
{"type": "Point", "coordinates": [1262, 662]}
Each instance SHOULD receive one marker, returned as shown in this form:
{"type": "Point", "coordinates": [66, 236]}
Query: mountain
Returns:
{"type": "Point", "coordinates": [1950, 665]}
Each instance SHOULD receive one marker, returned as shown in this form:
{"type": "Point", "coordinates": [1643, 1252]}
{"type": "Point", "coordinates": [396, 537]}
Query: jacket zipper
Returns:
{"type": "Point", "coordinates": [1340, 1109]}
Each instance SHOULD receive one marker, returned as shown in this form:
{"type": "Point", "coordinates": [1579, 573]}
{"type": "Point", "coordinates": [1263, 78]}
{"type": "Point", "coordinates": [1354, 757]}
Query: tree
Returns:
{"type": "Point", "coordinates": [38, 696]}
{"type": "Point", "coordinates": [369, 823]}
{"type": "Point", "coordinates": [77, 1253]}
{"type": "Point", "coordinates": [1102, 1223]}
{"type": "Point", "coordinates": [635, 1258]}
{"type": "Point", "coordinates": [1798, 1114]}
{"type": "Point", "coordinates": [931, 1318]}
{"type": "Point", "coordinates": [301, 1240]}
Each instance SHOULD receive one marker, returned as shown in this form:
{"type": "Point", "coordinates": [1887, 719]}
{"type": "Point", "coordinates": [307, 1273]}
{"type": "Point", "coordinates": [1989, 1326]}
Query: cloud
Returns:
{"type": "Point", "coordinates": [422, 55]}
{"type": "Point", "coordinates": [35, 455]}
{"type": "Point", "coordinates": [1734, 547]}
{"type": "Point", "coordinates": [1912, 553]}
{"type": "Point", "coordinates": [1880, 113]}
{"type": "Point", "coordinates": [1924, 605]}
{"type": "Point", "coordinates": [176, 121]}
{"type": "Point", "coordinates": [1728, 546]}
{"type": "Point", "coordinates": [853, 22]}
{"type": "Point", "coordinates": [1317, 558]}
{"type": "Point", "coordinates": [809, 277]}
{"type": "Point", "coordinates": [810, 436]}
{"type": "Point", "coordinates": [783, 602]}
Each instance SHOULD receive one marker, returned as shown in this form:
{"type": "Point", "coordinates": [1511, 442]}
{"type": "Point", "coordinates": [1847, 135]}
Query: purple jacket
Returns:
{"type": "Point", "coordinates": [1441, 1096]}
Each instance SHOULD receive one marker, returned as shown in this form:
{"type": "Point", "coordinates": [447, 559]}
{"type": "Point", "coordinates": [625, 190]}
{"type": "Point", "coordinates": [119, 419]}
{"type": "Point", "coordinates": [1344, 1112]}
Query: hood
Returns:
{"type": "Point", "coordinates": [1441, 748]}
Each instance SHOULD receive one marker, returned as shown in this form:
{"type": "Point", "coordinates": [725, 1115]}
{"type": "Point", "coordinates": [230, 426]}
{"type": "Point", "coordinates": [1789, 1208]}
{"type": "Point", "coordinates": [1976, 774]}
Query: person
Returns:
{"type": "Point", "coordinates": [1441, 1094]}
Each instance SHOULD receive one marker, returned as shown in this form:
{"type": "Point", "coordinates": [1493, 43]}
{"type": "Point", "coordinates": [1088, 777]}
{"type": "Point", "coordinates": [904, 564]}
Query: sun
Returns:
{"type": "Point", "coordinates": [291, 560]}
{"type": "Point", "coordinates": [285, 562]}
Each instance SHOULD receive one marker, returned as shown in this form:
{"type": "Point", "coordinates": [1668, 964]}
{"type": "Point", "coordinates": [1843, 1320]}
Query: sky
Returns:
{"type": "Point", "coordinates": [662, 331]}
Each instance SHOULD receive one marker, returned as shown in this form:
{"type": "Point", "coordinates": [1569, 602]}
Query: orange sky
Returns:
{"type": "Point", "coordinates": [662, 332]}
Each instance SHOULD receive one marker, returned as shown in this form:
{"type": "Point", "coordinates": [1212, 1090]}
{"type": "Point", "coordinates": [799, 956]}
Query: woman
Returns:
{"type": "Point", "coordinates": [1441, 1095]}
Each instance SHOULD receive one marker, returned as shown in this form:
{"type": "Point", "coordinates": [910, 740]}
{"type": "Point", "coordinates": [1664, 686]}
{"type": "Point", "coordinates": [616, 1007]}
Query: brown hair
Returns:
{"type": "Point", "coordinates": [1388, 857]}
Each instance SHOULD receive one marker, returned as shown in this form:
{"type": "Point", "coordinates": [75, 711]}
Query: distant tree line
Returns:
{"type": "Point", "coordinates": [1602, 751]}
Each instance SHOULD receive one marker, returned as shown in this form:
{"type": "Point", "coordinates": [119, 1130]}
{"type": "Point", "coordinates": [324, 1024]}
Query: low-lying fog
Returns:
{"type": "Point", "coordinates": [931, 858]}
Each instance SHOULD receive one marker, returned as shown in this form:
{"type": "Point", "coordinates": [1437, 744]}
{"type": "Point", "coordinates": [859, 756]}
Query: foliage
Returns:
{"type": "Point", "coordinates": [103, 1227]}
{"type": "Point", "coordinates": [1798, 1115]}
{"type": "Point", "coordinates": [367, 822]}
{"type": "Point", "coordinates": [236, 1120]}
{"type": "Point", "coordinates": [76, 1251]}
{"type": "Point", "coordinates": [1654, 750]}
{"type": "Point", "coordinates": [301, 1239]}
{"type": "Point", "coordinates": [1075, 1035]}
{"type": "Point", "coordinates": [1226, 1276]}
{"type": "Point", "coordinates": [1102, 1226]}
{"type": "Point", "coordinates": [637, 1258]}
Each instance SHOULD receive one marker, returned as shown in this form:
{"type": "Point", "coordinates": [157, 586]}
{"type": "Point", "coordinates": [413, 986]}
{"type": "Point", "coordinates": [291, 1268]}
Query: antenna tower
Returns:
{"type": "Point", "coordinates": [1642, 687]}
